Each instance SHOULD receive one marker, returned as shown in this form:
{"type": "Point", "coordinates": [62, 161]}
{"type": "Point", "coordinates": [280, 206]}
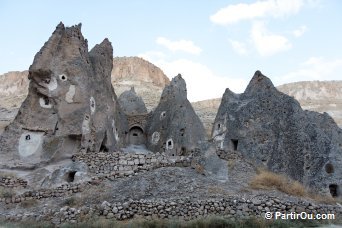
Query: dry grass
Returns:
{"type": "Point", "coordinates": [269, 180]}
{"type": "Point", "coordinates": [231, 164]}
{"type": "Point", "coordinates": [7, 174]}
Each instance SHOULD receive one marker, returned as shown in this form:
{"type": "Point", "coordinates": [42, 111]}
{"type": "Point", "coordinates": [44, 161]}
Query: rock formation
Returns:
{"type": "Point", "coordinates": [271, 129]}
{"type": "Point", "coordinates": [147, 79]}
{"type": "Point", "coordinates": [174, 125]}
{"type": "Point", "coordinates": [131, 103]}
{"type": "Point", "coordinates": [71, 104]}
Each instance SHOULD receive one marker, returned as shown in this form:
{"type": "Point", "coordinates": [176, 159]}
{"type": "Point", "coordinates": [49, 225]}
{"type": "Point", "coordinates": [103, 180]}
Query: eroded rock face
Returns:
{"type": "Point", "coordinates": [70, 106]}
{"type": "Point", "coordinates": [131, 103]}
{"type": "Point", "coordinates": [271, 129]}
{"type": "Point", "coordinates": [174, 125]}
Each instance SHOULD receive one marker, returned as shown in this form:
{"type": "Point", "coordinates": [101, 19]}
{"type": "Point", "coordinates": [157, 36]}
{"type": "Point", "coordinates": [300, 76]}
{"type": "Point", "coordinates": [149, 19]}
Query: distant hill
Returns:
{"type": "Point", "coordinates": [319, 96]}
{"type": "Point", "coordinates": [149, 81]}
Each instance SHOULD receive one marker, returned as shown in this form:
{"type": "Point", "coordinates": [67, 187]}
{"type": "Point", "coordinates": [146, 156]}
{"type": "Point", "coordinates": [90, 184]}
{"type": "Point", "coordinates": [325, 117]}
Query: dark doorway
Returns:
{"type": "Point", "coordinates": [329, 168]}
{"type": "Point", "coordinates": [70, 176]}
{"type": "Point", "coordinates": [334, 191]}
{"type": "Point", "coordinates": [136, 136]}
{"type": "Point", "coordinates": [235, 143]}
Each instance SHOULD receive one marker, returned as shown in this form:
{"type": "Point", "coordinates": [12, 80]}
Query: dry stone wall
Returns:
{"type": "Point", "coordinates": [100, 166]}
{"type": "Point", "coordinates": [12, 182]}
{"type": "Point", "coordinates": [117, 163]}
{"type": "Point", "coordinates": [179, 208]}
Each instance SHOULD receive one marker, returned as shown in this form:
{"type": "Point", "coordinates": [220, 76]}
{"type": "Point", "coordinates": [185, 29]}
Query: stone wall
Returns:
{"type": "Point", "coordinates": [119, 164]}
{"type": "Point", "coordinates": [101, 165]}
{"type": "Point", "coordinates": [180, 208]}
{"type": "Point", "coordinates": [12, 182]}
{"type": "Point", "coordinates": [63, 190]}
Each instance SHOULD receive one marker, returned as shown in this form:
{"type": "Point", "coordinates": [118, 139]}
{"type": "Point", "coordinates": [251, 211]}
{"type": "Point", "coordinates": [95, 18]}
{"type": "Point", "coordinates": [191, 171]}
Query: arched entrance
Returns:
{"type": "Point", "coordinates": [136, 136]}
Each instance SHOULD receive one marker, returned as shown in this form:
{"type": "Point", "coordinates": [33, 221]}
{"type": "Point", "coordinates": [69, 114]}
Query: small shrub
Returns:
{"type": "Point", "coordinates": [6, 193]}
{"type": "Point", "coordinates": [72, 201]}
{"type": "Point", "coordinates": [29, 203]}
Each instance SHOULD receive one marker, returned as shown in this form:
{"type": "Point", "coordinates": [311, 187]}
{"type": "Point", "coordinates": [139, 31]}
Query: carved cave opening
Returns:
{"type": "Point", "coordinates": [70, 176]}
{"type": "Point", "coordinates": [235, 143]}
{"type": "Point", "coordinates": [334, 190]}
{"type": "Point", "coordinates": [103, 147]}
{"type": "Point", "coordinates": [136, 136]}
{"type": "Point", "coordinates": [329, 168]}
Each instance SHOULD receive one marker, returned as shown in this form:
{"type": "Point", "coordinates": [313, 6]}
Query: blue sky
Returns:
{"type": "Point", "coordinates": [213, 44]}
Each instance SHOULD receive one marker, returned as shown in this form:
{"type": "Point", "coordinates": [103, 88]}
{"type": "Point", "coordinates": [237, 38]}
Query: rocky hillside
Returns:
{"type": "Point", "coordinates": [13, 89]}
{"type": "Point", "coordinates": [206, 110]}
{"type": "Point", "coordinates": [147, 79]}
{"type": "Point", "coordinates": [319, 96]}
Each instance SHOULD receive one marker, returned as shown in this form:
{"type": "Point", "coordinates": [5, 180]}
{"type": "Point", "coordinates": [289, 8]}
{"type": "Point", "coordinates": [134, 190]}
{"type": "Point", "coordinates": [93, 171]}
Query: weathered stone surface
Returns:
{"type": "Point", "coordinates": [70, 106]}
{"type": "Point", "coordinates": [270, 128]}
{"type": "Point", "coordinates": [131, 103]}
{"type": "Point", "coordinates": [174, 125]}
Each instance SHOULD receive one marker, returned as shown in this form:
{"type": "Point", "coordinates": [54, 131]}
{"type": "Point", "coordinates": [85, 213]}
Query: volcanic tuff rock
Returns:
{"type": "Point", "coordinates": [147, 79]}
{"type": "Point", "coordinates": [131, 103]}
{"type": "Point", "coordinates": [174, 125]}
{"type": "Point", "coordinates": [271, 129]}
{"type": "Point", "coordinates": [70, 106]}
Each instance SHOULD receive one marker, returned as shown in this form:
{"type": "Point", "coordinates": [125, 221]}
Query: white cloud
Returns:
{"type": "Point", "coordinates": [180, 45]}
{"type": "Point", "coordinates": [315, 68]}
{"type": "Point", "coordinates": [239, 47]}
{"type": "Point", "coordinates": [260, 9]}
{"type": "Point", "coordinates": [265, 42]}
{"type": "Point", "coordinates": [202, 82]}
{"type": "Point", "coordinates": [300, 31]}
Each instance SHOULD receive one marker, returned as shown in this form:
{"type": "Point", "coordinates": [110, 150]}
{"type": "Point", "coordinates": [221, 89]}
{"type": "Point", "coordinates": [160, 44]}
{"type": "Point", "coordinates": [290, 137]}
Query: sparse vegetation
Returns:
{"type": "Point", "coordinates": [269, 180]}
{"type": "Point", "coordinates": [231, 164]}
{"type": "Point", "coordinates": [29, 203]}
{"type": "Point", "coordinates": [72, 201]}
{"type": "Point", "coordinates": [6, 192]}
{"type": "Point", "coordinates": [209, 222]}
{"type": "Point", "coordinates": [7, 174]}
